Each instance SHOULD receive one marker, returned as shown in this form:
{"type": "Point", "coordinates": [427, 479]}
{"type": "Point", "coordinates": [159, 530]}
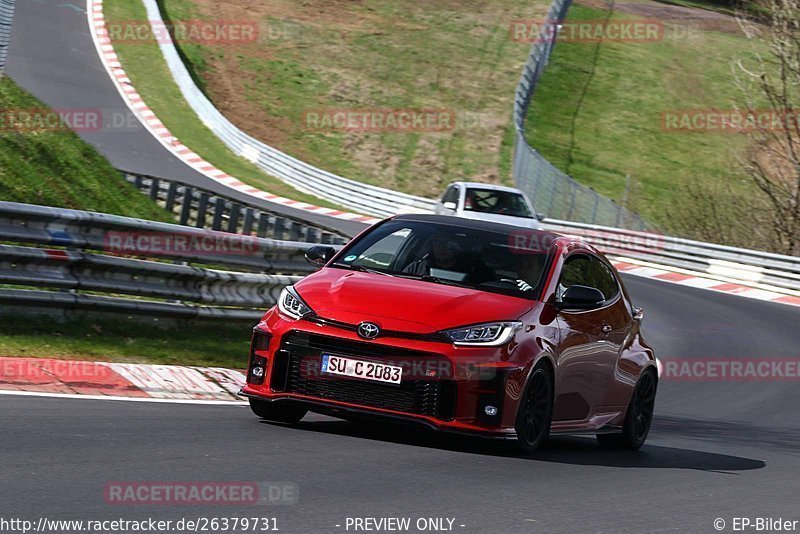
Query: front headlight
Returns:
{"type": "Point", "coordinates": [484, 335]}
{"type": "Point", "coordinates": [291, 305]}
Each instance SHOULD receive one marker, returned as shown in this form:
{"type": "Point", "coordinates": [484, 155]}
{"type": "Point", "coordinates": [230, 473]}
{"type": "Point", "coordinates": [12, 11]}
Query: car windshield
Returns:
{"type": "Point", "coordinates": [496, 202]}
{"type": "Point", "coordinates": [444, 253]}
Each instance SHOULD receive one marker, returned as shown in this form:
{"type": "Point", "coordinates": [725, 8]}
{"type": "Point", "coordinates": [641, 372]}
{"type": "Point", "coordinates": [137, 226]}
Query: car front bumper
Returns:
{"type": "Point", "coordinates": [444, 387]}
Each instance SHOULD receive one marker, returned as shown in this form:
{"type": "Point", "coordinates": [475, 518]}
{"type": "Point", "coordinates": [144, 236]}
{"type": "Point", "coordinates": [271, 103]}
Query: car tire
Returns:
{"type": "Point", "coordinates": [536, 410]}
{"type": "Point", "coordinates": [278, 412]}
{"type": "Point", "coordinates": [638, 418]}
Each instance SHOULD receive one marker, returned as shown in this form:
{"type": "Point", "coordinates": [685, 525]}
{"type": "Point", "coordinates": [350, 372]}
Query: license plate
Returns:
{"type": "Point", "coordinates": [379, 372]}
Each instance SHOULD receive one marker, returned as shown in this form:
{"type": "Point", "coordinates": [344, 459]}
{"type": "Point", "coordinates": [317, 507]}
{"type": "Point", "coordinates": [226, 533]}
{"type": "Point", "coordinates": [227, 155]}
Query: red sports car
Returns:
{"type": "Point", "coordinates": [459, 325]}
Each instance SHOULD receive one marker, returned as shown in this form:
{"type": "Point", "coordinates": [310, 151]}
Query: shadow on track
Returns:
{"type": "Point", "coordinates": [560, 449]}
{"type": "Point", "coordinates": [780, 438]}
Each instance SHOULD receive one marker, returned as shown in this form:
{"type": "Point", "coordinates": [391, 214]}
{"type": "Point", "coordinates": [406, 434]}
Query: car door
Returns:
{"type": "Point", "coordinates": [590, 340]}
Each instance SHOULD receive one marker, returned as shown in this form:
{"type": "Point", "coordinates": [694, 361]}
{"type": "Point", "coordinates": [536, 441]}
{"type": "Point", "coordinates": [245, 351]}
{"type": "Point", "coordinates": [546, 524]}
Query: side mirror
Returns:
{"type": "Point", "coordinates": [449, 205]}
{"type": "Point", "coordinates": [540, 217]}
{"type": "Point", "coordinates": [638, 314]}
{"type": "Point", "coordinates": [319, 255]}
{"type": "Point", "coordinates": [581, 298]}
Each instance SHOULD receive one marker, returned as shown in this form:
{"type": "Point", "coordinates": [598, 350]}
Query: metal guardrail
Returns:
{"type": "Point", "coordinates": [204, 209]}
{"type": "Point", "coordinates": [74, 276]}
{"type": "Point", "coordinates": [358, 196]}
{"type": "Point", "coordinates": [552, 191]}
{"type": "Point", "coordinates": [76, 260]}
{"type": "Point", "coordinates": [6, 21]}
{"type": "Point", "coordinates": [716, 260]}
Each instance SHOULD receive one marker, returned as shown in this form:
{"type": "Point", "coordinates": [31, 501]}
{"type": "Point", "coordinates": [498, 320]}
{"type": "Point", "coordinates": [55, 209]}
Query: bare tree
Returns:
{"type": "Point", "coordinates": [769, 82]}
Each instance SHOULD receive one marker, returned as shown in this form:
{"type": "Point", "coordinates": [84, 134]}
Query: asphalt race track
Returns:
{"type": "Point", "coordinates": [52, 55]}
{"type": "Point", "coordinates": [717, 450]}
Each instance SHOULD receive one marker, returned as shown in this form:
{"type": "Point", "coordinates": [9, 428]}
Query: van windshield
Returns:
{"type": "Point", "coordinates": [496, 202]}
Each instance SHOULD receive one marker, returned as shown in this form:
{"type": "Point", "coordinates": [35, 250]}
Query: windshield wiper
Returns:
{"type": "Point", "coordinates": [438, 280]}
{"type": "Point", "coordinates": [360, 268]}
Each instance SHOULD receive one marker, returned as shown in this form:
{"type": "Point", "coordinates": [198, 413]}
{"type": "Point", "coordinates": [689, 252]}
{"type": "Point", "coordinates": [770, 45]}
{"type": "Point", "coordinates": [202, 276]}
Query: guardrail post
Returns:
{"type": "Point", "coordinates": [173, 189]}
{"type": "Point", "coordinates": [312, 235]}
{"type": "Point", "coordinates": [233, 218]}
{"type": "Point", "coordinates": [294, 231]}
{"type": "Point", "coordinates": [154, 185]}
{"type": "Point", "coordinates": [219, 209]}
{"type": "Point", "coordinates": [279, 228]}
{"type": "Point", "coordinates": [263, 222]}
{"type": "Point", "coordinates": [247, 229]}
{"type": "Point", "coordinates": [186, 207]}
{"type": "Point", "coordinates": [202, 205]}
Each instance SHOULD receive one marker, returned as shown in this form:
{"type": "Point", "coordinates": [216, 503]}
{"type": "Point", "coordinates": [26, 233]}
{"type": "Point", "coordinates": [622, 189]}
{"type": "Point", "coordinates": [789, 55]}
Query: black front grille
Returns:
{"type": "Point", "coordinates": [300, 362]}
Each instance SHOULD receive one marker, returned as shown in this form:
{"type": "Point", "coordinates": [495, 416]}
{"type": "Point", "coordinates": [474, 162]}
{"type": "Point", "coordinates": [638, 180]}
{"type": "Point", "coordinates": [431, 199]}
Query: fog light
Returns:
{"type": "Point", "coordinates": [258, 372]}
{"type": "Point", "coordinates": [491, 411]}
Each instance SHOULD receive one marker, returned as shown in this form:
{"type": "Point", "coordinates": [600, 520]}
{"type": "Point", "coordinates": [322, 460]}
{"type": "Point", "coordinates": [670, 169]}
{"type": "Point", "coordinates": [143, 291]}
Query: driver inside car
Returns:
{"type": "Point", "coordinates": [444, 254]}
{"type": "Point", "coordinates": [447, 255]}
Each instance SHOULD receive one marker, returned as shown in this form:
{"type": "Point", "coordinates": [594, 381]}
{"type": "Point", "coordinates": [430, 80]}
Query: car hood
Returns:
{"type": "Point", "coordinates": [522, 222]}
{"type": "Point", "coordinates": [403, 304]}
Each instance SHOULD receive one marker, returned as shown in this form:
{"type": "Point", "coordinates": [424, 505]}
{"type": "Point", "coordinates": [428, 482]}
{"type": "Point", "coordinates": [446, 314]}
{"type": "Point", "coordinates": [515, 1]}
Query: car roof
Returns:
{"type": "Point", "coordinates": [479, 224]}
{"type": "Point", "coordinates": [479, 185]}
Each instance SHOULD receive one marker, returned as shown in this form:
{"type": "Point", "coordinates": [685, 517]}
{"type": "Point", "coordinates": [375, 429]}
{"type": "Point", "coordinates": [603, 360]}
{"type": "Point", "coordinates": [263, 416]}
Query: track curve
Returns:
{"type": "Point", "coordinates": [718, 449]}
{"type": "Point", "coordinates": [52, 55]}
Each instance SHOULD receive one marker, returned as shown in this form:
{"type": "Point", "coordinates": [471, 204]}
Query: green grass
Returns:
{"type": "Point", "coordinates": [56, 168]}
{"type": "Point", "coordinates": [382, 54]}
{"type": "Point", "coordinates": [597, 115]}
{"type": "Point", "coordinates": [223, 344]}
{"type": "Point", "coordinates": [148, 72]}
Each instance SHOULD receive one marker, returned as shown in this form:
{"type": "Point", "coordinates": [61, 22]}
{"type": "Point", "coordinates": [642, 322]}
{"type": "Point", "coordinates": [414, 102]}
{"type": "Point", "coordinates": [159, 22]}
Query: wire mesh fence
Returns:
{"type": "Point", "coordinates": [6, 18]}
{"type": "Point", "coordinates": [552, 191]}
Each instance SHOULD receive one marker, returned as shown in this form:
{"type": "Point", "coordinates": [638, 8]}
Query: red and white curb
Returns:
{"type": "Point", "coordinates": [120, 381]}
{"type": "Point", "coordinates": [689, 278]}
{"type": "Point", "coordinates": [124, 381]}
{"type": "Point", "coordinates": [105, 48]}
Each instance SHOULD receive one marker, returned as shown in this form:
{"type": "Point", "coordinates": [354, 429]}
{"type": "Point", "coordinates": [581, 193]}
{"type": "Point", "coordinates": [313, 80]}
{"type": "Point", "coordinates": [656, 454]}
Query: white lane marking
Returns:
{"type": "Point", "coordinates": [648, 272]}
{"type": "Point", "coordinates": [702, 283]}
{"type": "Point", "coordinates": [748, 273]}
{"type": "Point", "coordinates": [125, 399]}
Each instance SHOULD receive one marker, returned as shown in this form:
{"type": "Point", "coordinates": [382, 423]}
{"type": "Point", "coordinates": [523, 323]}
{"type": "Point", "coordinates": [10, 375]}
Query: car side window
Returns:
{"type": "Point", "coordinates": [451, 195]}
{"type": "Point", "coordinates": [587, 271]}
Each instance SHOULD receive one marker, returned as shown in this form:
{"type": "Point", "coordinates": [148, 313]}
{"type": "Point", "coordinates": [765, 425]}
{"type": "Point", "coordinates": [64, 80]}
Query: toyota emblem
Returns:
{"type": "Point", "coordinates": [368, 330]}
